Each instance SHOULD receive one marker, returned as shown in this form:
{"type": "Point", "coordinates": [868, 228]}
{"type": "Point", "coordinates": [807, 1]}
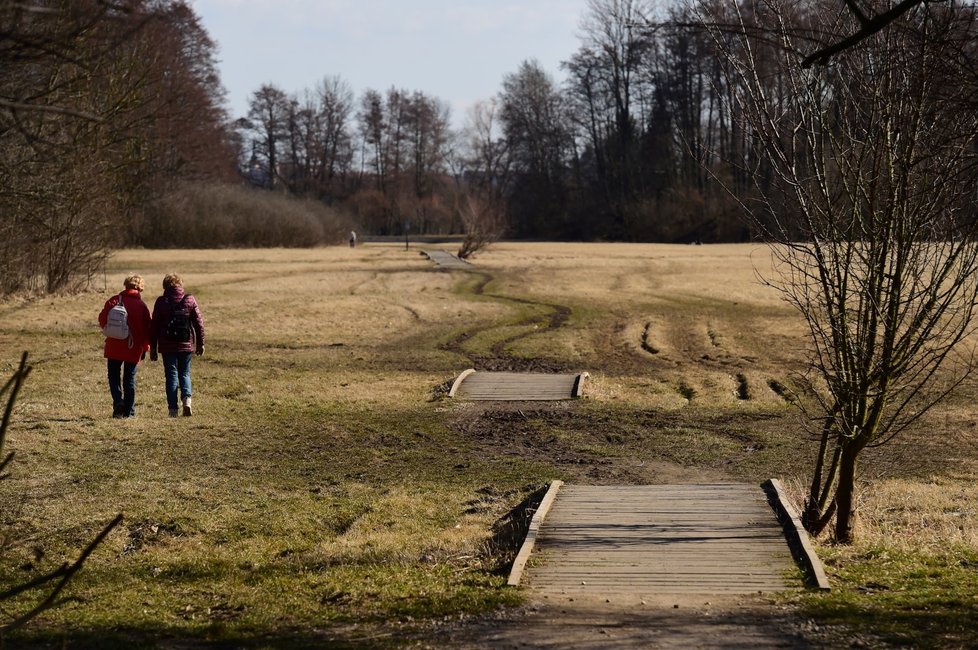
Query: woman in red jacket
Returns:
{"type": "Point", "coordinates": [124, 355]}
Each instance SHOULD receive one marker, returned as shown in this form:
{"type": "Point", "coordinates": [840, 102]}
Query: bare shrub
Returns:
{"type": "Point", "coordinates": [210, 215]}
{"type": "Point", "coordinates": [60, 221]}
{"type": "Point", "coordinates": [482, 221]}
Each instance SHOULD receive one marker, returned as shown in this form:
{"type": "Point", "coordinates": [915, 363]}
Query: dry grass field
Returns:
{"type": "Point", "coordinates": [327, 492]}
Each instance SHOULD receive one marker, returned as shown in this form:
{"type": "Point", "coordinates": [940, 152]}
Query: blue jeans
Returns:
{"type": "Point", "coordinates": [176, 366]}
{"type": "Point", "coordinates": [122, 385]}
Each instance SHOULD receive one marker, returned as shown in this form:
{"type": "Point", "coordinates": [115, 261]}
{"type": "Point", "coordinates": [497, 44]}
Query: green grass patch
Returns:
{"type": "Point", "coordinates": [901, 598]}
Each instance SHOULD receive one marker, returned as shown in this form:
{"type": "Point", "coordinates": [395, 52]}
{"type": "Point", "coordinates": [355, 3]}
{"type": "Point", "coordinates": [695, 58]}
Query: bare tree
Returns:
{"type": "Point", "coordinates": [871, 217]}
{"type": "Point", "coordinates": [101, 104]}
{"type": "Point", "coordinates": [534, 120]}
{"type": "Point", "coordinates": [268, 115]}
{"type": "Point", "coordinates": [406, 141]}
{"type": "Point", "coordinates": [428, 144]}
{"type": "Point", "coordinates": [606, 87]}
{"type": "Point", "coordinates": [334, 110]}
{"type": "Point", "coordinates": [610, 35]}
{"type": "Point", "coordinates": [867, 20]}
{"type": "Point", "coordinates": [482, 221]}
{"type": "Point", "coordinates": [373, 128]}
{"type": "Point", "coordinates": [486, 154]}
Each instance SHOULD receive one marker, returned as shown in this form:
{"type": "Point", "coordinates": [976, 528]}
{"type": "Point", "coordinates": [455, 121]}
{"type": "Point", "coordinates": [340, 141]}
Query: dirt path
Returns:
{"type": "Point", "coordinates": [552, 317]}
{"type": "Point", "coordinates": [670, 623]}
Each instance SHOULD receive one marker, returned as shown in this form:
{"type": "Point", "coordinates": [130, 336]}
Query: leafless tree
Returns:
{"type": "Point", "coordinates": [858, 23]}
{"type": "Point", "coordinates": [486, 155]}
{"type": "Point", "coordinates": [51, 119]}
{"type": "Point", "coordinates": [335, 108]}
{"type": "Point", "coordinates": [101, 104]}
{"type": "Point", "coordinates": [406, 141]}
{"type": "Point", "coordinates": [871, 216]}
{"type": "Point", "coordinates": [268, 117]}
{"type": "Point", "coordinates": [533, 115]}
{"type": "Point", "coordinates": [482, 221]}
{"type": "Point", "coordinates": [608, 91]}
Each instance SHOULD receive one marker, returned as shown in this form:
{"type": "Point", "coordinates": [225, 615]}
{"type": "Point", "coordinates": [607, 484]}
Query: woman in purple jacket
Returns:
{"type": "Point", "coordinates": [177, 332]}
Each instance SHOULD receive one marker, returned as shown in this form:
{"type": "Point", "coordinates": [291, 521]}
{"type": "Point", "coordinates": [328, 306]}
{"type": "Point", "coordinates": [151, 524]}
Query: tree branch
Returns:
{"type": "Point", "coordinates": [63, 574]}
{"type": "Point", "coordinates": [18, 106]}
{"type": "Point", "coordinates": [869, 27]}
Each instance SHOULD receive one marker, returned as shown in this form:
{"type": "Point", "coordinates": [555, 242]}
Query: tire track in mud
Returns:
{"type": "Point", "coordinates": [499, 359]}
{"type": "Point", "coordinates": [716, 358]}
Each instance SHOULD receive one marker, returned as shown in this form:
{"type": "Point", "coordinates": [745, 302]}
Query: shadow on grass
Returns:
{"type": "Point", "coordinates": [579, 625]}
{"type": "Point", "coordinates": [173, 639]}
{"type": "Point", "coordinates": [905, 598]}
{"type": "Point", "coordinates": [937, 622]}
{"type": "Point", "coordinates": [509, 531]}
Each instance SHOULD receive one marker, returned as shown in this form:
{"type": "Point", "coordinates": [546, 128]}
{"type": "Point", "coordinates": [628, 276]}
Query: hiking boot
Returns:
{"type": "Point", "coordinates": [117, 410]}
{"type": "Point", "coordinates": [187, 408]}
{"type": "Point", "coordinates": [174, 413]}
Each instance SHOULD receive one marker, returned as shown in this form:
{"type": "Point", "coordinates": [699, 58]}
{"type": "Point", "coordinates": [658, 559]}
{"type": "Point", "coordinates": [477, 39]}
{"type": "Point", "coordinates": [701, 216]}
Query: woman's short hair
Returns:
{"type": "Point", "coordinates": [172, 280]}
{"type": "Point", "coordinates": [134, 282]}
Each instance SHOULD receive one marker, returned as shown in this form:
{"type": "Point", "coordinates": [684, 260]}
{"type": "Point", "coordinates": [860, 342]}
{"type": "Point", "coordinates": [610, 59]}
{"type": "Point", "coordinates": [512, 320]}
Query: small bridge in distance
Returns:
{"type": "Point", "coordinates": [446, 260]}
{"type": "Point", "coordinates": [517, 386]}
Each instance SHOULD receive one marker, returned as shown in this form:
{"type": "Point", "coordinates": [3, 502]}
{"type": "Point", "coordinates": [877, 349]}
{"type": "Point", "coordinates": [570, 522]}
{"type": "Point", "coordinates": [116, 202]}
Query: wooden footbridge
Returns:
{"type": "Point", "coordinates": [446, 260]}
{"type": "Point", "coordinates": [517, 386]}
{"type": "Point", "coordinates": [637, 543]}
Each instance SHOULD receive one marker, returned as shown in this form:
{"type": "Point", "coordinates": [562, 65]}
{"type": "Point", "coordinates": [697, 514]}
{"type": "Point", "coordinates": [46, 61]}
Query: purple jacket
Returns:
{"type": "Point", "coordinates": [162, 310]}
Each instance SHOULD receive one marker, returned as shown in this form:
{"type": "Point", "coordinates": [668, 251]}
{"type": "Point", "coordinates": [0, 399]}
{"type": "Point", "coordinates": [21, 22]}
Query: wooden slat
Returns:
{"type": "Point", "coordinates": [655, 540]}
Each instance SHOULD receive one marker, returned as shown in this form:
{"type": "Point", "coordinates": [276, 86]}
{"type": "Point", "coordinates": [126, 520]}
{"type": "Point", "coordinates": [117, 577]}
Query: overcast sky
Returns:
{"type": "Point", "coordinates": [456, 50]}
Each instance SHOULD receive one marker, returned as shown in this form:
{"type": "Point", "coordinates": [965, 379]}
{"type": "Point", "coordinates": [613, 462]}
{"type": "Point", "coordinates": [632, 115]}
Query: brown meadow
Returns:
{"type": "Point", "coordinates": [326, 490]}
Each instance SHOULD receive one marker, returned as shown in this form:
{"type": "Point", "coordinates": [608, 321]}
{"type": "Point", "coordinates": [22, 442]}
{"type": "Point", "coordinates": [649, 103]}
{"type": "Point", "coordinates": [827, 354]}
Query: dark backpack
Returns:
{"type": "Point", "coordinates": [178, 327]}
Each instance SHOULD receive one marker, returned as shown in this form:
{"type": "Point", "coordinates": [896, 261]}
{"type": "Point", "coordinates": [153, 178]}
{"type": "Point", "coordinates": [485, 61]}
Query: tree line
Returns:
{"type": "Point", "coordinates": [114, 132]}
{"type": "Point", "coordinates": [103, 106]}
{"type": "Point", "coordinates": [645, 139]}
{"type": "Point", "coordinates": [635, 145]}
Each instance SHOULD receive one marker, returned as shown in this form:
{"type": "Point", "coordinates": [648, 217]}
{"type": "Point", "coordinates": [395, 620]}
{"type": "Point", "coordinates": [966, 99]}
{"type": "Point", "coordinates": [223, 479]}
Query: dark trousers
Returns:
{"type": "Point", "coordinates": [122, 385]}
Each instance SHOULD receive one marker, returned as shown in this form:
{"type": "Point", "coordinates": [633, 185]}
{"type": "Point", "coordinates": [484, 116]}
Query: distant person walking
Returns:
{"type": "Point", "coordinates": [353, 239]}
{"type": "Point", "coordinates": [125, 320]}
{"type": "Point", "coordinates": [177, 332]}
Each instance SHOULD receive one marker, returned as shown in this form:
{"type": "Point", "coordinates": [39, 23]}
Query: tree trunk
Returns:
{"type": "Point", "coordinates": [845, 495]}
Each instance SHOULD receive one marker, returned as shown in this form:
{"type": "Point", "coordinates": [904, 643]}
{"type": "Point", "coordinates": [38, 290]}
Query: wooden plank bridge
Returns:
{"type": "Point", "coordinates": [446, 260]}
{"type": "Point", "coordinates": [517, 386]}
{"type": "Point", "coordinates": [630, 543]}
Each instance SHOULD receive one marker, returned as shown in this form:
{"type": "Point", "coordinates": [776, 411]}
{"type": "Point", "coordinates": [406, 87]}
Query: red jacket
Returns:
{"type": "Point", "coordinates": [162, 310]}
{"type": "Point", "coordinates": [139, 326]}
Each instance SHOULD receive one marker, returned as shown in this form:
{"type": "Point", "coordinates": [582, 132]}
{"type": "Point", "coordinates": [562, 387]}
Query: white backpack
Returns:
{"type": "Point", "coordinates": [117, 322]}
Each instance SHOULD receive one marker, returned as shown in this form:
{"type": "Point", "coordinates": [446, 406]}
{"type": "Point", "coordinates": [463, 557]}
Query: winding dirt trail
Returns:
{"type": "Point", "coordinates": [553, 317]}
